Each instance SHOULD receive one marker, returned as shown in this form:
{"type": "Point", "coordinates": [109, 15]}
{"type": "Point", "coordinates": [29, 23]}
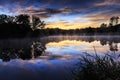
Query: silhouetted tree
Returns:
{"type": "Point", "coordinates": [117, 20]}
{"type": "Point", "coordinates": [103, 25]}
{"type": "Point", "coordinates": [114, 20]}
{"type": "Point", "coordinates": [110, 24]}
{"type": "Point", "coordinates": [11, 19]}
{"type": "Point", "coordinates": [23, 19]}
{"type": "Point", "coordinates": [7, 19]}
{"type": "Point", "coordinates": [37, 23]}
{"type": "Point", "coordinates": [3, 18]}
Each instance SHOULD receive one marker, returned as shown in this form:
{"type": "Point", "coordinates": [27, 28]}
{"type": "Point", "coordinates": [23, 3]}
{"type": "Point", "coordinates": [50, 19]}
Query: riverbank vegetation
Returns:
{"type": "Point", "coordinates": [96, 67]}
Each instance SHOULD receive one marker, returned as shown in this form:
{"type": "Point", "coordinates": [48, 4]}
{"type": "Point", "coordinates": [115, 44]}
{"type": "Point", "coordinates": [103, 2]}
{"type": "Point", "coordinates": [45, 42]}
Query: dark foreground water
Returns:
{"type": "Point", "coordinates": [50, 58]}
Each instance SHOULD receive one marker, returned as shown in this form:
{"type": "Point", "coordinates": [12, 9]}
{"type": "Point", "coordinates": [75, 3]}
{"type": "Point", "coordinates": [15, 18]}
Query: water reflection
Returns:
{"type": "Point", "coordinates": [78, 44]}
{"type": "Point", "coordinates": [63, 47]}
{"type": "Point", "coordinates": [30, 51]}
{"type": "Point", "coordinates": [37, 48]}
{"type": "Point", "coordinates": [60, 55]}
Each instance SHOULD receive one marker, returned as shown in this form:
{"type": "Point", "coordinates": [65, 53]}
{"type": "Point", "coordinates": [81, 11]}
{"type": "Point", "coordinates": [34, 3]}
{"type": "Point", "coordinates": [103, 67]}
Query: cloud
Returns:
{"type": "Point", "coordinates": [1, 7]}
{"type": "Point", "coordinates": [107, 3]}
{"type": "Point", "coordinates": [60, 11]}
{"type": "Point", "coordinates": [103, 15]}
{"type": "Point", "coordinates": [46, 4]}
{"type": "Point", "coordinates": [46, 12]}
{"type": "Point", "coordinates": [86, 11]}
{"type": "Point", "coordinates": [49, 10]}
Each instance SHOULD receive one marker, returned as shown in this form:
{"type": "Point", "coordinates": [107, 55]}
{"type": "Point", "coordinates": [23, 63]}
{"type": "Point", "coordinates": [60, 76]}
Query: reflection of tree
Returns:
{"type": "Point", "coordinates": [37, 49]}
{"type": "Point", "coordinates": [113, 46]}
{"type": "Point", "coordinates": [24, 53]}
{"type": "Point", "coordinates": [113, 43]}
{"type": "Point", "coordinates": [103, 42]}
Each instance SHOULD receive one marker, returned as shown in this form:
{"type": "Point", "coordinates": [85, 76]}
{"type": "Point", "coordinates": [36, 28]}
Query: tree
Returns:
{"type": "Point", "coordinates": [37, 23]}
{"type": "Point", "coordinates": [7, 19]}
{"type": "Point", "coordinates": [110, 24]}
{"type": "Point", "coordinates": [103, 25]}
{"type": "Point", "coordinates": [3, 18]}
{"type": "Point", "coordinates": [112, 20]}
{"type": "Point", "coordinates": [10, 19]}
{"type": "Point", "coordinates": [117, 20]}
{"type": "Point", "coordinates": [23, 19]}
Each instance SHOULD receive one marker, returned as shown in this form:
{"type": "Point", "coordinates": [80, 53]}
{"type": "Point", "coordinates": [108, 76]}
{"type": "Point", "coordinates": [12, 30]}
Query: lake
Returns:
{"type": "Point", "coordinates": [49, 58]}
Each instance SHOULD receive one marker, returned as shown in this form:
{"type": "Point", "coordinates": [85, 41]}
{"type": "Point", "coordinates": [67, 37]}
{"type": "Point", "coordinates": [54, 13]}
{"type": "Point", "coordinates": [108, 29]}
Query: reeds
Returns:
{"type": "Point", "coordinates": [96, 67]}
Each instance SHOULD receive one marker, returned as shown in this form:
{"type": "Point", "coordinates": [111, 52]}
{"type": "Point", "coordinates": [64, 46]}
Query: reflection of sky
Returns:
{"type": "Point", "coordinates": [35, 69]}
{"type": "Point", "coordinates": [56, 66]}
{"type": "Point", "coordinates": [73, 47]}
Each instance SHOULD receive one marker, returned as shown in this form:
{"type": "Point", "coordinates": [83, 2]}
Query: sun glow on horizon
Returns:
{"type": "Point", "coordinates": [67, 26]}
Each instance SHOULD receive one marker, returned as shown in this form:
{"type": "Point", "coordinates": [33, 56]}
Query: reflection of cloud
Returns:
{"type": "Point", "coordinates": [39, 70]}
{"type": "Point", "coordinates": [76, 46]}
{"type": "Point", "coordinates": [66, 43]}
{"type": "Point", "coordinates": [53, 57]}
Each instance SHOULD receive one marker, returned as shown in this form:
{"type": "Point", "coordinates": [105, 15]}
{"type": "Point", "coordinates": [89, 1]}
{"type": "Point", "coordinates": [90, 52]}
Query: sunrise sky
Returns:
{"type": "Point", "coordinates": [64, 14]}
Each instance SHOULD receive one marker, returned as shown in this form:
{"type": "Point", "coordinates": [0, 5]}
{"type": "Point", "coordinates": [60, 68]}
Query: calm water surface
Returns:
{"type": "Point", "coordinates": [49, 58]}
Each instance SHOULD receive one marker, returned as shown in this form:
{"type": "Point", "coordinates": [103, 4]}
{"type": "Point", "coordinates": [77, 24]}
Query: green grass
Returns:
{"type": "Point", "coordinates": [96, 67]}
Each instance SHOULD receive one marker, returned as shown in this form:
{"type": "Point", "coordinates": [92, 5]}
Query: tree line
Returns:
{"type": "Point", "coordinates": [23, 19]}
{"type": "Point", "coordinates": [113, 28]}
{"type": "Point", "coordinates": [19, 26]}
{"type": "Point", "coordinates": [24, 25]}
